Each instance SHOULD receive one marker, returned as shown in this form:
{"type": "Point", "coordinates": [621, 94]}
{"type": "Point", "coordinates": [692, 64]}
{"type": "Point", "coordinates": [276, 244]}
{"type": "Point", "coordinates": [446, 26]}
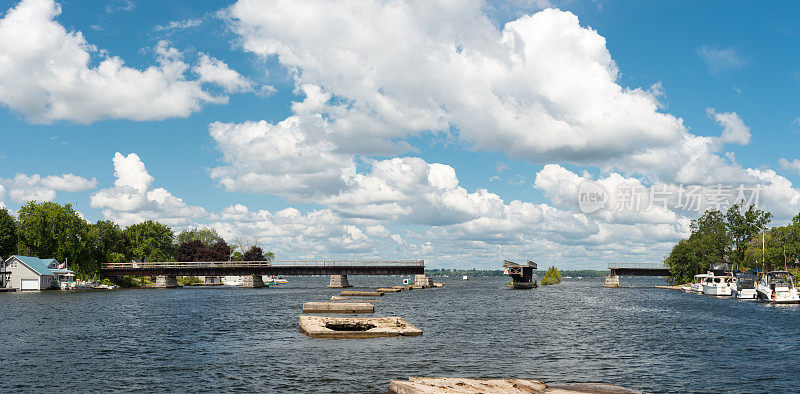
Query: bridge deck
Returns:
{"type": "Point", "coordinates": [639, 269]}
{"type": "Point", "coordinates": [287, 268]}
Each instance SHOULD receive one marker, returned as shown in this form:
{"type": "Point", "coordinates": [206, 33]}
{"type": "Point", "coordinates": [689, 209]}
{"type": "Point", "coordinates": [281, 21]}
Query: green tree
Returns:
{"type": "Point", "coordinates": [710, 237]}
{"type": "Point", "coordinates": [742, 226]}
{"type": "Point", "coordinates": [108, 239]}
{"type": "Point", "coordinates": [151, 241]}
{"type": "Point", "coordinates": [551, 277]}
{"type": "Point", "coordinates": [207, 235]}
{"type": "Point", "coordinates": [709, 242]}
{"type": "Point", "coordinates": [8, 234]}
{"type": "Point", "coordinates": [50, 230]}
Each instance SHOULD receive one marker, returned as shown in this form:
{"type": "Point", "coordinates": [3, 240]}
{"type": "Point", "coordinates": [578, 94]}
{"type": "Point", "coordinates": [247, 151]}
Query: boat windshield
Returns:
{"type": "Point", "coordinates": [780, 278]}
{"type": "Point", "coordinates": [746, 282]}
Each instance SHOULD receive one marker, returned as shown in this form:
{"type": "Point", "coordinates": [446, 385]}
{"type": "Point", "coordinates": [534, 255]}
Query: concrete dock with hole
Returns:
{"type": "Point", "coordinates": [338, 307]}
{"type": "Point", "coordinates": [356, 327]}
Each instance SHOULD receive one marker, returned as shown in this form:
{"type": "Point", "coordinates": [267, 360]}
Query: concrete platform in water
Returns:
{"type": "Point", "coordinates": [351, 293]}
{"type": "Point", "coordinates": [522, 285]}
{"type": "Point", "coordinates": [338, 307]}
{"type": "Point", "coordinates": [417, 385]}
{"type": "Point", "coordinates": [356, 327]}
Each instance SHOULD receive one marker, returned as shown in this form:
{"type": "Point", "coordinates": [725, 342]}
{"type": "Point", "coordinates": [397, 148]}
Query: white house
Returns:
{"type": "Point", "coordinates": [31, 273]}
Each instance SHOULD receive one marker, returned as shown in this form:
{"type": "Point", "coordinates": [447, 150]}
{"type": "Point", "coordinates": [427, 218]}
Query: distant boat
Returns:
{"type": "Point", "coordinates": [272, 280]}
{"type": "Point", "coordinates": [232, 281]}
{"type": "Point", "coordinates": [465, 278]}
{"type": "Point", "coordinates": [778, 287]}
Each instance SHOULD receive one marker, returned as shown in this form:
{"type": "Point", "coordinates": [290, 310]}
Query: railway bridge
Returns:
{"type": "Point", "coordinates": [166, 273]}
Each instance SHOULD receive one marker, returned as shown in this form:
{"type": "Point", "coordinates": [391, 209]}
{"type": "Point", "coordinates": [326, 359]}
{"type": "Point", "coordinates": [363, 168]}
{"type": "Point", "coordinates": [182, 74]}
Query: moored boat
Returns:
{"type": "Point", "coordinates": [697, 283]}
{"type": "Point", "coordinates": [778, 287]}
{"type": "Point", "coordinates": [718, 285]}
{"type": "Point", "coordinates": [744, 286]}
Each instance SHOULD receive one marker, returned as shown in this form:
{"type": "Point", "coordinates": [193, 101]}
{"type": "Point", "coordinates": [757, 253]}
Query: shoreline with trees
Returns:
{"type": "Point", "coordinates": [739, 237]}
{"type": "Point", "coordinates": [51, 230]}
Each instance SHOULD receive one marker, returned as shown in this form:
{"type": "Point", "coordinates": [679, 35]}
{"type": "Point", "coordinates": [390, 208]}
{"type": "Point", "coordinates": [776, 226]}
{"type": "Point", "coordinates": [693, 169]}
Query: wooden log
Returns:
{"type": "Point", "coordinates": [385, 290]}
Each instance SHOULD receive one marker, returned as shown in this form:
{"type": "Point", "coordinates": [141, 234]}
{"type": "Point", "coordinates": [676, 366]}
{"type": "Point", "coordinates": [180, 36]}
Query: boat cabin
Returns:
{"type": "Point", "coordinates": [778, 279]}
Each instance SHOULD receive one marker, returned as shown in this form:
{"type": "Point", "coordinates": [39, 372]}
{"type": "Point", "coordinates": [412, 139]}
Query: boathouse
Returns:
{"type": "Point", "coordinates": [3, 273]}
{"type": "Point", "coordinates": [32, 273]}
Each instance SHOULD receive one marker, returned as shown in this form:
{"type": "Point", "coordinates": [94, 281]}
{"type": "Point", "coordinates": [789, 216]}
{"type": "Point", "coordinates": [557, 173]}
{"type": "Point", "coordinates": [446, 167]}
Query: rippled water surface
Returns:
{"type": "Point", "coordinates": [220, 339]}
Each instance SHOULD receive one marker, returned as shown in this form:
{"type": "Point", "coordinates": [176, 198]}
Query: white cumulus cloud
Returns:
{"type": "Point", "coordinates": [733, 128]}
{"type": "Point", "coordinates": [133, 198]}
{"type": "Point", "coordinates": [544, 87]}
{"type": "Point", "coordinates": [48, 73]}
{"type": "Point", "coordinates": [23, 188]}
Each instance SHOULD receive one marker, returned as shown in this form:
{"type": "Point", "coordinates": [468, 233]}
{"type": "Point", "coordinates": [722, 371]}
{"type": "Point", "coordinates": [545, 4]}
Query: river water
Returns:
{"type": "Point", "coordinates": [231, 339]}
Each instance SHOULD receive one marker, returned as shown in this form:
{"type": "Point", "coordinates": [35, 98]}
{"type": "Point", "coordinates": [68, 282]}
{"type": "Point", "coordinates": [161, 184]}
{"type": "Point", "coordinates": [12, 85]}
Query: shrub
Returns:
{"type": "Point", "coordinates": [551, 277]}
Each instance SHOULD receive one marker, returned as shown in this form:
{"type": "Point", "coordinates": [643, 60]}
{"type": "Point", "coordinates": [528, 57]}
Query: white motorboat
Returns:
{"type": "Point", "coordinates": [232, 281]}
{"type": "Point", "coordinates": [744, 287]}
{"type": "Point", "coordinates": [718, 285]}
{"type": "Point", "coordinates": [697, 283]}
{"type": "Point", "coordinates": [778, 287]}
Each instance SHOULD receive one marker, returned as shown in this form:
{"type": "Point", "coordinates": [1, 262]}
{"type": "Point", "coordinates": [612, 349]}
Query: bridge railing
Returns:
{"type": "Point", "coordinates": [653, 266]}
{"type": "Point", "coordinates": [262, 264]}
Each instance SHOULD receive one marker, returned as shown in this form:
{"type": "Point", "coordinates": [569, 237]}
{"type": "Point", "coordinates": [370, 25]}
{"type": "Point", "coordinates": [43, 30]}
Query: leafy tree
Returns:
{"type": "Point", "coordinates": [551, 276]}
{"type": "Point", "coordinates": [208, 236]}
{"type": "Point", "coordinates": [50, 230]}
{"type": "Point", "coordinates": [108, 242]}
{"type": "Point", "coordinates": [220, 251]}
{"type": "Point", "coordinates": [189, 250]}
{"type": "Point", "coordinates": [684, 263]}
{"type": "Point", "coordinates": [8, 234]}
{"type": "Point", "coordinates": [151, 241]}
{"type": "Point", "coordinates": [255, 253]}
{"type": "Point", "coordinates": [742, 226]}
{"type": "Point", "coordinates": [709, 236]}
{"type": "Point", "coordinates": [237, 256]}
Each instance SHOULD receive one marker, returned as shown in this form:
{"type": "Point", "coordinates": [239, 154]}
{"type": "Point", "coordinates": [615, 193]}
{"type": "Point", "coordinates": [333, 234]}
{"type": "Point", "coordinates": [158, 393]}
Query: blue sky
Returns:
{"type": "Point", "coordinates": [442, 86]}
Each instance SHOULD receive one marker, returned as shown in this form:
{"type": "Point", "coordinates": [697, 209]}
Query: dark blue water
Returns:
{"type": "Point", "coordinates": [230, 339]}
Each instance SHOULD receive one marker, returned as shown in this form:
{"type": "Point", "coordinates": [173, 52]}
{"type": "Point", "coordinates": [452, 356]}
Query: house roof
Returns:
{"type": "Point", "coordinates": [36, 264]}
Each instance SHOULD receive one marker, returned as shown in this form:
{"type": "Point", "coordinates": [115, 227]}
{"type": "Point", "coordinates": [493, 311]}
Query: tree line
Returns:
{"type": "Point", "coordinates": [737, 236]}
{"type": "Point", "coordinates": [50, 230]}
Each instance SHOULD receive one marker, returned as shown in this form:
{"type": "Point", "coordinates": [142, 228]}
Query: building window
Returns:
{"type": "Point", "coordinates": [13, 264]}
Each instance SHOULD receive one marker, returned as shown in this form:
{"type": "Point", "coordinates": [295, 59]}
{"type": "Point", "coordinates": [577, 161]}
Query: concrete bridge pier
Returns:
{"type": "Point", "coordinates": [423, 280]}
{"type": "Point", "coordinates": [253, 281]}
{"type": "Point", "coordinates": [339, 281]}
{"type": "Point", "coordinates": [612, 281]}
{"type": "Point", "coordinates": [166, 281]}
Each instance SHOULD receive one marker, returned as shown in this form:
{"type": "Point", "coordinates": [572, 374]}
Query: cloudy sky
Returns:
{"type": "Point", "coordinates": [462, 133]}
